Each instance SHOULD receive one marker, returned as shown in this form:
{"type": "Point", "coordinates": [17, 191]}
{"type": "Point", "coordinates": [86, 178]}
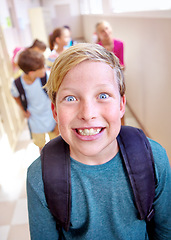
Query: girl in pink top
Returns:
{"type": "Point", "coordinates": [105, 39]}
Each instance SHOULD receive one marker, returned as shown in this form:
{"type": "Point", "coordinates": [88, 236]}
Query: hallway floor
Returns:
{"type": "Point", "coordinates": [13, 202]}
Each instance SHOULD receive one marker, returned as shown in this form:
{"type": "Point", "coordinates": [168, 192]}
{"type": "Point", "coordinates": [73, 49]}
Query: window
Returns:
{"type": "Point", "coordinates": [91, 6]}
{"type": "Point", "coordinates": [141, 5]}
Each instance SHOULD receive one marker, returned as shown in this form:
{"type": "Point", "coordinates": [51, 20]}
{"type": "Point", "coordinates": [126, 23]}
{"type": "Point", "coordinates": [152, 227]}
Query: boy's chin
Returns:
{"type": "Point", "coordinates": [93, 151]}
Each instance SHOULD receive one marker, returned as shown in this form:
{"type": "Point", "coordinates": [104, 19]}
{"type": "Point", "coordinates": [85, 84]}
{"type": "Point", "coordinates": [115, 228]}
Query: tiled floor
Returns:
{"type": "Point", "coordinates": [13, 204]}
{"type": "Point", "coordinates": [13, 168]}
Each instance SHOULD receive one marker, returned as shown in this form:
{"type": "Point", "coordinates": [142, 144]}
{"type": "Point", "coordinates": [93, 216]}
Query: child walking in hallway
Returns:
{"type": "Point", "coordinates": [31, 98]}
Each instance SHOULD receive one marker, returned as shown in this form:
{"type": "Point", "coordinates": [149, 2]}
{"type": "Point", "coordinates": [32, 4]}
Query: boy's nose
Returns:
{"type": "Point", "coordinates": [87, 111]}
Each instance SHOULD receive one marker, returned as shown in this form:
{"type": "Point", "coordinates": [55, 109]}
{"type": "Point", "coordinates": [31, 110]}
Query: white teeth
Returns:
{"type": "Point", "coordinates": [89, 132]}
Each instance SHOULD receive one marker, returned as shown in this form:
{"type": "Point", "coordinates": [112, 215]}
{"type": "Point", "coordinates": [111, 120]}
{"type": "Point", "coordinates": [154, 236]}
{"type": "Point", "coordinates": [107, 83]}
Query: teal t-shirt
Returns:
{"type": "Point", "coordinates": [102, 205]}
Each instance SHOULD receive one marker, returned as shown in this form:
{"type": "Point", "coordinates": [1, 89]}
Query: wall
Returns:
{"type": "Point", "coordinates": [15, 24]}
{"type": "Point", "coordinates": [37, 24]}
{"type": "Point", "coordinates": [18, 20]}
{"type": "Point", "coordinates": [11, 119]}
{"type": "Point", "coordinates": [65, 12]}
{"type": "Point", "coordinates": [148, 60]}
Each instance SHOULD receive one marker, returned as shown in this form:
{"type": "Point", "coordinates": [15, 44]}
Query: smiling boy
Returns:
{"type": "Point", "coordinates": [89, 113]}
{"type": "Point", "coordinates": [87, 91]}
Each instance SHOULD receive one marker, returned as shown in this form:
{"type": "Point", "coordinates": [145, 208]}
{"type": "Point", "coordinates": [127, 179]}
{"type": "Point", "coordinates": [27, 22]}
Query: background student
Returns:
{"type": "Point", "coordinates": [58, 41]}
{"type": "Point", "coordinates": [37, 45]}
{"type": "Point", "coordinates": [38, 110]}
{"type": "Point", "coordinates": [71, 42]}
{"type": "Point", "coordinates": [106, 39]}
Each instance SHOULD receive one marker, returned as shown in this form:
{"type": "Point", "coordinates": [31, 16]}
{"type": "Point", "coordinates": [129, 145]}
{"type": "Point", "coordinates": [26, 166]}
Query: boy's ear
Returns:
{"type": "Point", "coordinates": [122, 106]}
{"type": "Point", "coordinates": [31, 74]}
{"type": "Point", "coordinates": [54, 111]}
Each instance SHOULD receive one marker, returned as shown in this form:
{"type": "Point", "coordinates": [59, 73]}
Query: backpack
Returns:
{"type": "Point", "coordinates": [134, 147]}
{"type": "Point", "coordinates": [22, 92]}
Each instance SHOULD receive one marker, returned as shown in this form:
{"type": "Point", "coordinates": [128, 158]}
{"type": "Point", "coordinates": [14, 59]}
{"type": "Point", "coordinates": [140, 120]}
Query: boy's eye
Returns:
{"type": "Point", "coordinates": [70, 98]}
{"type": "Point", "coordinates": [103, 96]}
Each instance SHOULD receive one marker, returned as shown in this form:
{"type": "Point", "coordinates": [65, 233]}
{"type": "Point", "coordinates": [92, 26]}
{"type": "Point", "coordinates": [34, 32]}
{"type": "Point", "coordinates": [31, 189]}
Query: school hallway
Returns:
{"type": "Point", "coordinates": [13, 201]}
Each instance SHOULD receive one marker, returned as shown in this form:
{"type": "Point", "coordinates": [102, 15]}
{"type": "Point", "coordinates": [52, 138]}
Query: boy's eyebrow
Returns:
{"type": "Point", "coordinates": [98, 86]}
{"type": "Point", "coordinates": [67, 88]}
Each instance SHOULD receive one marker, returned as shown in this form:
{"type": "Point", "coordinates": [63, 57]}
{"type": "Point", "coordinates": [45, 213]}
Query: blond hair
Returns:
{"type": "Point", "coordinates": [102, 22]}
{"type": "Point", "coordinates": [77, 54]}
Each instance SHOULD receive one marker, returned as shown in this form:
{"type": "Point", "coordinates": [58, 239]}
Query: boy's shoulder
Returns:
{"type": "Point", "coordinates": [161, 161]}
{"type": "Point", "coordinates": [34, 172]}
{"type": "Point", "coordinates": [34, 180]}
{"type": "Point", "coordinates": [159, 152]}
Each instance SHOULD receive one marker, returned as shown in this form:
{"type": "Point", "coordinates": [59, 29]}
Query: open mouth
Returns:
{"type": "Point", "coordinates": [89, 132]}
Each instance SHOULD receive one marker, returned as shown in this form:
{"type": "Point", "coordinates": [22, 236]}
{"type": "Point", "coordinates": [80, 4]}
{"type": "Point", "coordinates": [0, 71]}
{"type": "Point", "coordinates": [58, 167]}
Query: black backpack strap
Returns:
{"type": "Point", "coordinates": [44, 81]}
{"type": "Point", "coordinates": [23, 98]}
{"type": "Point", "coordinates": [138, 158]}
{"type": "Point", "coordinates": [56, 173]}
{"type": "Point", "coordinates": [21, 92]}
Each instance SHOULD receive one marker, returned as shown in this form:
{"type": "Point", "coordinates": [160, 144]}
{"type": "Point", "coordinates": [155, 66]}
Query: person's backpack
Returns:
{"type": "Point", "coordinates": [138, 160]}
{"type": "Point", "coordinates": [22, 92]}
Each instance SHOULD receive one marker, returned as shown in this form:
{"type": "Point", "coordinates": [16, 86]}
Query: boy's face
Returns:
{"type": "Point", "coordinates": [88, 111]}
